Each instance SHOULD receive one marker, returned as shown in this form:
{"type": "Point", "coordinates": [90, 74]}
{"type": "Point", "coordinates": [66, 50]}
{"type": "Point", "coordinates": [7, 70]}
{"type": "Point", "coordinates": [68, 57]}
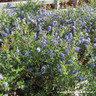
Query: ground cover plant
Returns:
{"type": "Point", "coordinates": [43, 52]}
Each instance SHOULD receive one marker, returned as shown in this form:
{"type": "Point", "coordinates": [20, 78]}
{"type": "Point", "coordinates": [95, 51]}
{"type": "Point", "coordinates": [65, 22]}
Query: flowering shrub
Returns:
{"type": "Point", "coordinates": [45, 52]}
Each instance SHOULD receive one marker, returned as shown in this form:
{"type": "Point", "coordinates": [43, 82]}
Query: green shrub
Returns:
{"type": "Point", "coordinates": [42, 52]}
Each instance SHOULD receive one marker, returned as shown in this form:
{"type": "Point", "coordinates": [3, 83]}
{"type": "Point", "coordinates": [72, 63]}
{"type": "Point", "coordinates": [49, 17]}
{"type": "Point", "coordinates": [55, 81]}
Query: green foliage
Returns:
{"type": "Point", "coordinates": [38, 55]}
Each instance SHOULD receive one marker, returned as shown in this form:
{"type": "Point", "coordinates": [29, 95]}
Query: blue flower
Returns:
{"type": "Point", "coordinates": [80, 78]}
{"type": "Point", "coordinates": [73, 53]}
{"type": "Point", "coordinates": [23, 62]}
{"type": "Point", "coordinates": [92, 65]}
{"type": "Point", "coordinates": [74, 27]}
{"type": "Point", "coordinates": [86, 41]}
{"type": "Point", "coordinates": [43, 68]}
{"type": "Point", "coordinates": [78, 63]}
{"type": "Point", "coordinates": [39, 20]}
{"type": "Point", "coordinates": [66, 21]}
{"type": "Point", "coordinates": [5, 84]}
{"type": "Point", "coordinates": [60, 71]}
{"type": "Point", "coordinates": [44, 47]}
{"type": "Point", "coordinates": [94, 45]}
{"type": "Point", "coordinates": [70, 35]}
{"type": "Point", "coordinates": [69, 61]}
{"type": "Point", "coordinates": [81, 38]}
{"type": "Point", "coordinates": [62, 55]}
{"type": "Point", "coordinates": [74, 31]}
{"type": "Point", "coordinates": [60, 84]}
{"type": "Point", "coordinates": [80, 22]}
{"type": "Point", "coordinates": [81, 95]}
{"type": "Point", "coordinates": [89, 30]}
{"type": "Point", "coordinates": [79, 42]}
{"type": "Point", "coordinates": [39, 28]}
{"type": "Point", "coordinates": [86, 34]}
{"type": "Point", "coordinates": [32, 6]}
{"type": "Point", "coordinates": [61, 35]}
{"type": "Point", "coordinates": [67, 52]}
{"type": "Point", "coordinates": [54, 23]}
{"type": "Point", "coordinates": [86, 28]}
{"type": "Point", "coordinates": [7, 30]}
{"type": "Point", "coordinates": [26, 54]}
{"type": "Point", "coordinates": [4, 57]}
{"type": "Point", "coordinates": [68, 14]}
{"type": "Point", "coordinates": [21, 35]}
{"type": "Point", "coordinates": [60, 41]}
{"type": "Point", "coordinates": [50, 51]}
{"type": "Point", "coordinates": [44, 43]}
{"type": "Point", "coordinates": [35, 37]}
{"type": "Point", "coordinates": [5, 94]}
{"type": "Point", "coordinates": [52, 55]}
{"type": "Point", "coordinates": [1, 77]}
{"type": "Point", "coordinates": [73, 43]}
{"type": "Point", "coordinates": [0, 40]}
{"type": "Point", "coordinates": [52, 41]}
{"type": "Point", "coordinates": [60, 67]}
{"type": "Point", "coordinates": [30, 69]}
{"type": "Point", "coordinates": [5, 34]}
{"type": "Point", "coordinates": [55, 44]}
{"type": "Point", "coordinates": [86, 46]}
{"type": "Point", "coordinates": [55, 33]}
{"type": "Point", "coordinates": [74, 23]}
{"type": "Point", "coordinates": [89, 39]}
{"type": "Point", "coordinates": [39, 73]}
{"type": "Point", "coordinates": [57, 37]}
{"type": "Point", "coordinates": [77, 49]}
{"type": "Point", "coordinates": [66, 37]}
{"type": "Point", "coordinates": [74, 72]}
{"type": "Point", "coordinates": [12, 55]}
{"type": "Point", "coordinates": [23, 52]}
{"type": "Point", "coordinates": [90, 23]}
{"type": "Point", "coordinates": [17, 51]}
{"type": "Point", "coordinates": [43, 53]}
{"type": "Point", "coordinates": [38, 49]}
{"type": "Point", "coordinates": [29, 56]}
{"type": "Point", "coordinates": [49, 28]}
{"type": "Point", "coordinates": [43, 10]}
{"type": "Point", "coordinates": [62, 59]}
{"type": "Point", "coordinates": [41, 38]}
